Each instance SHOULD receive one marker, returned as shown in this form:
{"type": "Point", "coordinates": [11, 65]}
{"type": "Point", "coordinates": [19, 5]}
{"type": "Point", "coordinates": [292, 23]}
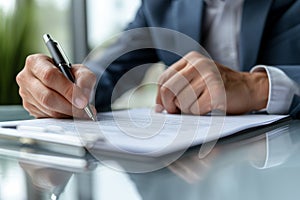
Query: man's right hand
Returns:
{"type": "Point", "coordinates": [47, 93]}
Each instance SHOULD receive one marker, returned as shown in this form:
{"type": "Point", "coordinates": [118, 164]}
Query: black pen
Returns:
{"type": "Point", "coordinates": [62, 62]}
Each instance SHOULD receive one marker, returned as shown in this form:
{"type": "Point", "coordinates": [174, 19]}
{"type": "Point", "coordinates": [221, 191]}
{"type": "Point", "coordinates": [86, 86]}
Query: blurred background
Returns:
{"type": "Point", "coordinates": [79, 25]}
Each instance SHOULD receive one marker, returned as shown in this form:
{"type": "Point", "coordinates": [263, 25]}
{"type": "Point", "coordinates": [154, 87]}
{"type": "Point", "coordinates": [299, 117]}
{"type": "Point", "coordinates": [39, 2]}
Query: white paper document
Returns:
{"type": "Point", "coordinates": [136, 131]}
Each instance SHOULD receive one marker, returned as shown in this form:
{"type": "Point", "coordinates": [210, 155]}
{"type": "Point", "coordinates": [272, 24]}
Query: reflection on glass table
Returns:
{"type": "Point", "coordinates": [49, 180]}
{"type": "Point", "coordinates": [264, 166]}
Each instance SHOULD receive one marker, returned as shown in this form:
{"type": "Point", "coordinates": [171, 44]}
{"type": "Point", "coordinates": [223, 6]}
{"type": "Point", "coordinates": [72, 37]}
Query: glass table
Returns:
{"type": "Point", "coordinates": [265, 166]}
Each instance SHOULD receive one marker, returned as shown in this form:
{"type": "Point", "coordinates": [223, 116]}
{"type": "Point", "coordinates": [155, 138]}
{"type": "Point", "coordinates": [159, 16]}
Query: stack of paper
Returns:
{"type": "Point", "coordinates": [136, 131]}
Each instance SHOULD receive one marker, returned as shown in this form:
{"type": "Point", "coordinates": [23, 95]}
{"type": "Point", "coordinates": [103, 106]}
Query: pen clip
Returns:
{"type": "Point", "coordinates": [63, 54]}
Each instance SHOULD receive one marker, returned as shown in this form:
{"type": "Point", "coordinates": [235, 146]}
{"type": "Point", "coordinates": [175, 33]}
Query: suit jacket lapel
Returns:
{"type": "Point", "coordinates": [253, 22]}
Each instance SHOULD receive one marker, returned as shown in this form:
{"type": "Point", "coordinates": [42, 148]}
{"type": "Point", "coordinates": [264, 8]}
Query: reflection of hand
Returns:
{"type": "Point", "coordinates": [197, 85]}
{"type": "Point", "coordinates": [48, 179]}
{"type": "Point", "coordinates": [191, 168]}
{"type": "Point", "coordinates": [47, 93]}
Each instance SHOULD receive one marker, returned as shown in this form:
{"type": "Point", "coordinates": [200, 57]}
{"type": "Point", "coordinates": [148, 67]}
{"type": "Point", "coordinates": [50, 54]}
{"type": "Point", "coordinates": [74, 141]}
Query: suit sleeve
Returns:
{"type": "Point", "coordinates": [131, 50]}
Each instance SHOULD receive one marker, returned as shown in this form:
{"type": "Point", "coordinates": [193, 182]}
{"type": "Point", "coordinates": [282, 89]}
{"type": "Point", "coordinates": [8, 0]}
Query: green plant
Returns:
{"type": "Point", "coordinates": [16, 33]}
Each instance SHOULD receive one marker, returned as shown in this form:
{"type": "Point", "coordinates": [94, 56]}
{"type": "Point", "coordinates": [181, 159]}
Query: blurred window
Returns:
{"type": "Point", "coordinates": [53, 17]}
{"type": "Point", "coordinates": [106, 18]}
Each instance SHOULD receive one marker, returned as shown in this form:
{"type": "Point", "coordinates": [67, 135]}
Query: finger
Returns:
{"type": "Point", "coordinates": [58, 107]}
{"type": "Point", "coordinates": [81, 114]}
{"type": "Point", "coordinates": [34, 111]}
{"type": "Point", "coordinates": [170, 89]}
{"type": "Point", "coordinates": [173, 69]}
{"type": "Point", "coordinates": [189, 59]}
{"type": "Point", "coordinates": [167, 100]}
{"type": "Point", "coordinates": [159, 106]}
{"type": "Point", "coordinates": [63, 111]}
{"type": "Point", "coordinates": [30, 104]}
{"type": "Point", "coordinates": [44, 70]}
{"type": "Point", "coordinates": [193, 58]}
{"type": "Point", "coordinates": [37, 113]}
{"type": "Point", "coordinates": [169, 92]}
{"type": "Point", "coordinates": [213, 97]}
{"type": "Point", "coordinates": [202, 105]}
{"type": "Point", "coordinates": [85, 79]}
{"type": "Point", "coordinates": [30, 87]}
{"type": "Point", "coordinates": [51, 103]}
{"type": "Point", "coordinates": [164, 98]}
{"type": "Point", "coordinates": [189, 95]}
{"type": "Point", "coordinates": [47, 99]}
{"type": "Point", "coordinates": [44, 110]}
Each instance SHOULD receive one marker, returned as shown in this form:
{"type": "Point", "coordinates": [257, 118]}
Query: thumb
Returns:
{"type": "Point", "coordinates": [85, 79]}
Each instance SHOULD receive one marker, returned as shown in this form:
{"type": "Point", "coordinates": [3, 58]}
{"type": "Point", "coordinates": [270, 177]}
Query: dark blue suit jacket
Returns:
{"type": "Point", "coordinates": [270, 35]}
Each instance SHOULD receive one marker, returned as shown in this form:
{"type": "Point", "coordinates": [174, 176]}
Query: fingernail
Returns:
{"type": "Point", "coordinates": [159, 108]}
{"type": "Point", "coordinates": [80, 103]}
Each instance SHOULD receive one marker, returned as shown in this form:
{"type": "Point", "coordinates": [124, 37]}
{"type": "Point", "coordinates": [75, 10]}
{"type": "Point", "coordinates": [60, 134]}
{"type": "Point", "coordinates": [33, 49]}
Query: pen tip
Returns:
{"type": "Point", "coordinates": [93, 118]}
{"type": "Point", "coordinates": [90, 113]}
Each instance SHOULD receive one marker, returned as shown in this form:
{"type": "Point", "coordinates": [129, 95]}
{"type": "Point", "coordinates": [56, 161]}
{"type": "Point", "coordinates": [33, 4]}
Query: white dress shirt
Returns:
{"type": "Point", "coordinates": [221, 30]}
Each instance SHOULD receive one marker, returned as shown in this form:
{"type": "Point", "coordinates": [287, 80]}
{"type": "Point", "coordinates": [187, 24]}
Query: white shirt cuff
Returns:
{"type": "Point", "coordinates": [281, 89]}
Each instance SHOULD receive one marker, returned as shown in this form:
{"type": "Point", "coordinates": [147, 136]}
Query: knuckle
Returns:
{"type": "Point", "coordinates": [68, 93]}
{"type": "Point", "coordinates": [190, 69]}
{"type": "Point", "coordinates": [201, 62]}
{"type": "Point", "coordinates": [164, 90]}
{"type": "Point", "coordinates": [209, 75]}
{"type": "Point", "coordinates": [31, 60]}
{"type": "Point", "coordinates": [22, 92]}
{"type": "Point", "coordinates": [27, 106]}
{"type": "Point", "coordinates": [46, 99]}
{"type": "Point", "coordinates": [192, 53]}
{"type": "Point", "coordinates": [161, 80]}
{"type": "Point", "coordinates": [30, 109]}
{"type": "Point", "coordinates": [48, 75]}
{"type": "Point", "coordinates": [20, 78]}
{"type": "Point", "coordinates": [78, 71]}
{"type": "Point", "coordinates": [206, 62]}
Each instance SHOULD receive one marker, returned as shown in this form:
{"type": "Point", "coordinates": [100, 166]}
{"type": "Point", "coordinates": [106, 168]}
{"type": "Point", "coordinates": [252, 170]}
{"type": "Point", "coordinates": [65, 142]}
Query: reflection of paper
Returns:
{"type": "Point", "coordinates": [46, 159]}
{"type": "Point", "coordinates": [144, 132]}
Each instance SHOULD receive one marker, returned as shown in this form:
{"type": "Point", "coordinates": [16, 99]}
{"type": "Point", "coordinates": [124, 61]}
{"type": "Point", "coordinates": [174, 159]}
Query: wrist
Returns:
{"type": "Point", "coordinates": [258, 85]}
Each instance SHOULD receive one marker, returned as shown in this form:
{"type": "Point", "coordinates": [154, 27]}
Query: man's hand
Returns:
{"type": "Point", "coordinates": [47, 93]}
{"type": "Point", "coordinates": [197, 85]}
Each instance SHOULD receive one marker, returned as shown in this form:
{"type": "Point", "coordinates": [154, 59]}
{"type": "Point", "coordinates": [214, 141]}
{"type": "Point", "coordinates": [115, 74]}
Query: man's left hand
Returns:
{"type": "Point", "coordinates": [198, 85]}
